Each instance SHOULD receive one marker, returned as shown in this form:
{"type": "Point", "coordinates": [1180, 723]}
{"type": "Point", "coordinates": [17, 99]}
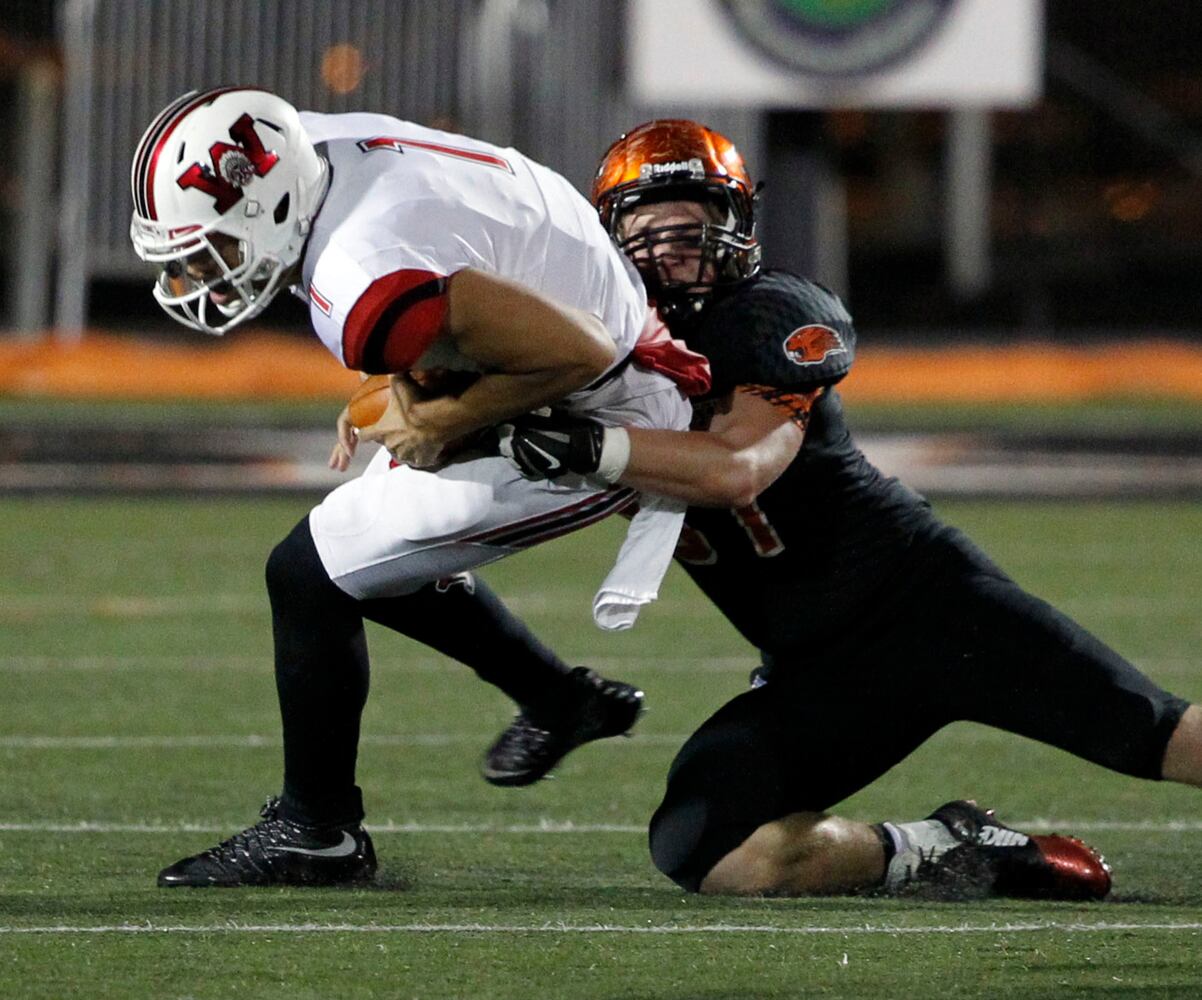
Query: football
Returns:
{"type": "Point", "coordinates": [369, 401]}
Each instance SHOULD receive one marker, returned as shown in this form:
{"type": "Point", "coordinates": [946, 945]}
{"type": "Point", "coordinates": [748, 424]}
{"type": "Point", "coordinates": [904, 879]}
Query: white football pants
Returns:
{"type": "Point", "coordinates": [393, 530]}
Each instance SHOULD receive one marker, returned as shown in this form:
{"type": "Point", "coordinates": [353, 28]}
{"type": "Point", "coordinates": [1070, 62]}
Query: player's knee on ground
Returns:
{"type": "Point", "coordinates": [690, 842]}
{"type": "Point", "coordinates": [676, 838]}
{"type": "Point", "coordinates": [766, 862]}
{"type": "Point", "coordinates": [725, 782]}
{"type": "Point", "coordinates": [684, 847]}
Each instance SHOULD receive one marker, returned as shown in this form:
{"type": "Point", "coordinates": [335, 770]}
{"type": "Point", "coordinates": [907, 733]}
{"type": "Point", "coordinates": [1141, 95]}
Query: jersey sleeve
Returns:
{"type": "Point", "coordinates": [795, 405]}
{"type": "Point", "coordinates": [381, 312]}
{"type": "Point", "coordinates": [395, 320]}
{"type": "Point", "coordinates": [778, 331]}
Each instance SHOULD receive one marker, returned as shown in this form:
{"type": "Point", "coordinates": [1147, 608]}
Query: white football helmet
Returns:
{"type": "Point", "coordinates": [225, 187]}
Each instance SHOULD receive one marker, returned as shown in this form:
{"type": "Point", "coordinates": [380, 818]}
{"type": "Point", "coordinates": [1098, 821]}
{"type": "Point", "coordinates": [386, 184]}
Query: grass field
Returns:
{"type": "Point", "coordinates": [1109, 415]}
{"type": "Point", "coordinates": [139, 724]}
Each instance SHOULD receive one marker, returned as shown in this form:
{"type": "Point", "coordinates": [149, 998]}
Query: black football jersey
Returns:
{"type": "Point", "coordinates": [825, 543]}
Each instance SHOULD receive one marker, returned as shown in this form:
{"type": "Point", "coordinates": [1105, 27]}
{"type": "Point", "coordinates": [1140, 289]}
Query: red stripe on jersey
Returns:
{"type": "Point", "coordinates": [320, 300]}
{"type": "Point", "coordinates": [553, 523]}
{"type": "Point", "coordinates": [394, 321]}
{"type": "Point", "coordinates": [398, 145]}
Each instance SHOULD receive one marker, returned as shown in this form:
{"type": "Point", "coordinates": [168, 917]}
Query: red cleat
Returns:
{"type": "Point", "coordinates": [1059, 868]}
{"type": "Point", "coordinates": [1012, 863]}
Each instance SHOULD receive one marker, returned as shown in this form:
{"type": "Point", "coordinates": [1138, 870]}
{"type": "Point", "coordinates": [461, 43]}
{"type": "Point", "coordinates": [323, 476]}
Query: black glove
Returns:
{"type": "Point", "coordinates": [547, 447]}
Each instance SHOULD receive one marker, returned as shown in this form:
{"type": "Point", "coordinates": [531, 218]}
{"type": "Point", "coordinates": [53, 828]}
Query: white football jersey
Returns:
{"type": "Point", "coordinates": [409, 206]}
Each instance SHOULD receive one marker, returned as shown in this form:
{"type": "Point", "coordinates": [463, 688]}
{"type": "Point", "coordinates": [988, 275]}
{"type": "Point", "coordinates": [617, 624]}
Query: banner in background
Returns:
{"type": "Point", "coordinates": [836, 53]}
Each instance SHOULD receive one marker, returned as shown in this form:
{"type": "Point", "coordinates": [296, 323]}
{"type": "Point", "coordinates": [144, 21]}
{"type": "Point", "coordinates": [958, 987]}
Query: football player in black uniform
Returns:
{"type": "Point", "coordinates": [878, 624]}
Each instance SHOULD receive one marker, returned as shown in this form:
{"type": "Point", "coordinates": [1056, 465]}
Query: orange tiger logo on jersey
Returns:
{"type": "Point", "coordinates": [812, 345]}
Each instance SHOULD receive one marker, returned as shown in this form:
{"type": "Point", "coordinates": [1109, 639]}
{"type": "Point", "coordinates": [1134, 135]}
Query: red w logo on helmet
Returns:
{"type": "Point", "coordinates": [233, 166]}
{"type": "Point", "coordinates": [812, 345]}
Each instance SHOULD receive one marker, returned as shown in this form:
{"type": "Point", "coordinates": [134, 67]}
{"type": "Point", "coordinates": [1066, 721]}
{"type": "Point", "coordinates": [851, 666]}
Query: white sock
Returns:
{"type": "Point", "coordinates": [924, 840]}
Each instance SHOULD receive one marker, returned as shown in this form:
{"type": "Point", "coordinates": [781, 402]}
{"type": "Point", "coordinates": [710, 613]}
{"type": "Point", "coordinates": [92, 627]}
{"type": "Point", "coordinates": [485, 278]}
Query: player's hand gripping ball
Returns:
{"type": "Point", "coordinates": [370, 400]}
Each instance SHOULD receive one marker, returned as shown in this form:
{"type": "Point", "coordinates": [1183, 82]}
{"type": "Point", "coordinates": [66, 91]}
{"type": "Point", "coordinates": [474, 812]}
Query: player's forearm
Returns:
{"type": "Point", "coordinates": [746, 448]}
{"type": "Point", "coordinates": [694, 466]}
{"type": "Point", "coordinates": [497, 397]}
{"type": "Point", "coordinates": [744, 452]}
{"type": "Point", "coordinates": [507, 328]}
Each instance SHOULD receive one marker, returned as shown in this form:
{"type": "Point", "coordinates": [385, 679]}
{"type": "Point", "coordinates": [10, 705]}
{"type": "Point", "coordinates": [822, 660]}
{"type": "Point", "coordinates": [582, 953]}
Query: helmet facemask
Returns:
{"type": "Point", "coordinates": [685, 257]}
{"type": "Point", "coordinates": [209, 280]}
{"type": "Point", "coordinates": [675, 197]}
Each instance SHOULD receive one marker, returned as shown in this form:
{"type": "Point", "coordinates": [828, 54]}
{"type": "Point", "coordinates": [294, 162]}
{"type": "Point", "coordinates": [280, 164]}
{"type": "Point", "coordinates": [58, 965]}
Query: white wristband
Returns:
{"type": "Point", "coordinates": [615, 454]}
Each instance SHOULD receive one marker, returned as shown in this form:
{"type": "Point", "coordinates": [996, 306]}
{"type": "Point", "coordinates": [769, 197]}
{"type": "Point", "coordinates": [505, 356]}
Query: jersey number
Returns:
{"type": "Point", "coordinates": [399, 145]}
{"type": "Point", "coordinates": [696, 549]}
{"type": "Point", "coordinates": [764, 538]}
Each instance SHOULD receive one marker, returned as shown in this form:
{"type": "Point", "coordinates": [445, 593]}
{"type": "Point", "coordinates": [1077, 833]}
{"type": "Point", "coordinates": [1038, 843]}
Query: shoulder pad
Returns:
{"type": "Point", "coordinates": [777, 329]}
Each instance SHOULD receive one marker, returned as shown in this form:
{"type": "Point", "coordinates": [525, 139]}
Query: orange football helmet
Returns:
{"type": "Point", "coordinates": [676, 160]}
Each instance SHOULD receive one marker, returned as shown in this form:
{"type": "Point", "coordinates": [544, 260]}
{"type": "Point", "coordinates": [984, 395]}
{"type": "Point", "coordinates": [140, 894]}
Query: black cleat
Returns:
{"type": "Point", "coordinates": [1012, 863]}
{"type": "Point", "coordinates": [276, 851]}
{"type": "Point", "coordinates": [532, 745]}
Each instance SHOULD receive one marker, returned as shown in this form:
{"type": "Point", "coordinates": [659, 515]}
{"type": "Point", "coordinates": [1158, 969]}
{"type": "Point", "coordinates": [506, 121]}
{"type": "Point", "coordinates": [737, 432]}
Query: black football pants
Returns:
{"type": "Point", "coordinates": [321, 666]}
{"type": "Point", "coordinates": [964, 643]}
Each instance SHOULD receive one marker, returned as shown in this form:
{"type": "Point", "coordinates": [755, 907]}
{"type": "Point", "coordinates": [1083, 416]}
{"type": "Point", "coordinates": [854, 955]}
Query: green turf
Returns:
{"type": "Point", "coordinates": [169, 412]}
{"type": "Point", "coordinates": [138, 697]}
{"type": "Point", "coordinates": [1123, 415]}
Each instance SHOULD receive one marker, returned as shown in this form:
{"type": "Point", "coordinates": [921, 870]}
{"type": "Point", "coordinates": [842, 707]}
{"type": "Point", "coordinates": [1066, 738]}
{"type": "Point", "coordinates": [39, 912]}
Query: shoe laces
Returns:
{"type": "Point", "coordinates": [601, 702]}
{"type": "Point", "coordinates": [524, 736]}
{"type": "Point", "coordinates": [601, 687]}
{"type": "Point", "coordinates": [271, 829]}
{"type": "Point", "coordinates": [928, 861]}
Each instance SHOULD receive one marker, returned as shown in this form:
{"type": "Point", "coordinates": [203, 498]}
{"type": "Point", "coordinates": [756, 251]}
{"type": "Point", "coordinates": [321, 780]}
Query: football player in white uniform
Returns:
{"type": "Point", "coordinates": [417, 251]}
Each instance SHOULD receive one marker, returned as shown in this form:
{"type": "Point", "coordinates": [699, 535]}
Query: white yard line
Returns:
{"type": "Point", "coordinates": [1038, 824]}
{"type": "Point", "coordinates": [1066, 927]}
{"type": "Point", "coordinates": [431, 664]}
{"type": "Point", "coordinates": [22, 606]}
{"type": "Point", "coordinates": [543, 826]}
{"type": "Point", "coordinates": [262, 664]}
{"type": "Point", "coordinates": [35, 664]}
{"type": "Point", "coordinates": [128, 605]}
{"type": "Point", "coordinates": [254, 741]}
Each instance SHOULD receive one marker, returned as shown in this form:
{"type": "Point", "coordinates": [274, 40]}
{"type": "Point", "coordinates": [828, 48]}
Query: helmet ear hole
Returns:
{"type": "Point", "coordinates": [281, 208]}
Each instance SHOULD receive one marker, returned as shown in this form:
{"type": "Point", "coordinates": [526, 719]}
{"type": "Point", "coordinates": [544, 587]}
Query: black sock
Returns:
{"type": "Point", "coordinates": [462, 618]}
{"type": "Point", "coordinates": [321, 672]}
{"type": "Point", "coordinates": [887, 842]}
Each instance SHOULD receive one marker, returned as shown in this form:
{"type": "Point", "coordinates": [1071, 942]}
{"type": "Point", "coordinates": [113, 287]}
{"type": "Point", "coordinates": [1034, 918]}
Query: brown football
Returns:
{"type": "Point", "coordinates": [369, 401]}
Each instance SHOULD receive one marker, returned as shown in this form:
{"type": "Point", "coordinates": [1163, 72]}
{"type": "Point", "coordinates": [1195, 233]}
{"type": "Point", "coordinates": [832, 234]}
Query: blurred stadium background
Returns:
{"type": "Point", "coordinates": [1087, 192]}
{"type": "Point", "coordinates": [1021, 227]}
{"type": "Point", "coordinates": [1016, 224]}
